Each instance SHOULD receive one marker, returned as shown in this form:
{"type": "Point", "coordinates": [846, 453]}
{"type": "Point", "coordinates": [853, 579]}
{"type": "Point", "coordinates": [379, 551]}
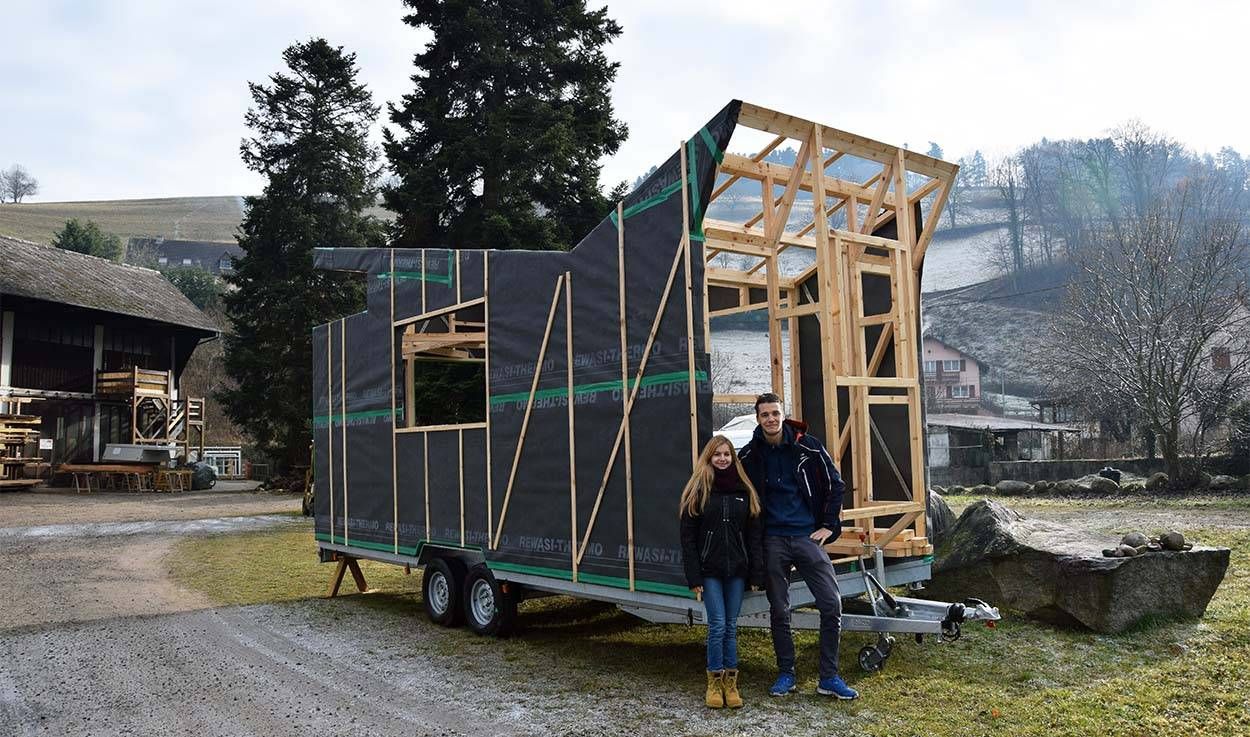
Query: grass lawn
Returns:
{"type": "Point", "coordinates": [1022, 678]}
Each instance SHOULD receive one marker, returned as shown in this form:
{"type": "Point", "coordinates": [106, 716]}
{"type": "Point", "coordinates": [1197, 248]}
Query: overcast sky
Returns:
{"type": "Point", "coordinates": [145, 98]}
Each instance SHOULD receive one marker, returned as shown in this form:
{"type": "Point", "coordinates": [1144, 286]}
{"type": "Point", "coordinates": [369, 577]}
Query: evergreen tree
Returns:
{"type": "Point", "coordinates": [309, 139]}
{"type": "Point", "coordinates": [89, 239]}
{"type": "Point", "coordinates": [978, 173]}
{"type": "Point", "coordinates": [498, 145]}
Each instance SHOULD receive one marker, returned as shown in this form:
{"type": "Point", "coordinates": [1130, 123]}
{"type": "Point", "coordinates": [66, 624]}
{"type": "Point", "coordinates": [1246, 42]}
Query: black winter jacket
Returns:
{"type": "Point", "coordinates": [818, 480]}
{"type": "Point", "coordinates": [724, 541]}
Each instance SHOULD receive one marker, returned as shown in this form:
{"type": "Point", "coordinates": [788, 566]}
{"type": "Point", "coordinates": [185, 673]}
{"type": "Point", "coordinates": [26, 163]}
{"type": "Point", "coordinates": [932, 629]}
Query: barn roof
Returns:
{"type": "Point", "coordinates": [55, 275]}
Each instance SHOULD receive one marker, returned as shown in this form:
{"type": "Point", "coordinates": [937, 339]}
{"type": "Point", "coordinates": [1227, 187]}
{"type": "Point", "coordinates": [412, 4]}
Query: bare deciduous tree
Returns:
{"type": "Point", "coordinates": [16, 183]}
{"type": "Point", "coordinates": [1008, 179]}
{"type": "Point", "coordinates": [1155, 295]}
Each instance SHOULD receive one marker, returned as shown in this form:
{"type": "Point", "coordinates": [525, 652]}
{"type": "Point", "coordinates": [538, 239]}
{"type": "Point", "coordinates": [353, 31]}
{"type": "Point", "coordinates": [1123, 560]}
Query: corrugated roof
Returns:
{"type": "Point", "coordinates": [994, 424]}
{"type": "Point", "coordinates": [65, 277]}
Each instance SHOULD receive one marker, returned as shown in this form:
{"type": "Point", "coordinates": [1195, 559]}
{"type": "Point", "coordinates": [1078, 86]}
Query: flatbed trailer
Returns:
{"type": "Point", "coordinates": [584, 386]}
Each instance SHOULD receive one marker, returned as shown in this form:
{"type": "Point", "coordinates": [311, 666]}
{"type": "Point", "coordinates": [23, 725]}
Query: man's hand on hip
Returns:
{"type": "Point", "coordinates": [820, 535]}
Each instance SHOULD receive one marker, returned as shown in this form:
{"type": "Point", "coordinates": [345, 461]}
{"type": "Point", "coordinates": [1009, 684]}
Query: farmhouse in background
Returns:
{"type": "Point", "coordinates": [216, 257]}
{"type": "Point", "coordinates": [91, 352]}
{"type": "Point", "coordinates": [952, 379]}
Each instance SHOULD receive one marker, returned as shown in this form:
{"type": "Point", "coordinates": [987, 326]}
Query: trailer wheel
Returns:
{"type": "Point", "coordinates": [488, 610]}
{"type": "Point", "coordinates": [872, 657]}
{"type": "Point", "coordinates": [441, 588]}
{"type": "Point", "coordinates": [870, 660]}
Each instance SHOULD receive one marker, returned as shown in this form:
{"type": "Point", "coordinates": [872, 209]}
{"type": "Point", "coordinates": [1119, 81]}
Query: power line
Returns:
{"type": "Point", "coordinates": [938, 303]}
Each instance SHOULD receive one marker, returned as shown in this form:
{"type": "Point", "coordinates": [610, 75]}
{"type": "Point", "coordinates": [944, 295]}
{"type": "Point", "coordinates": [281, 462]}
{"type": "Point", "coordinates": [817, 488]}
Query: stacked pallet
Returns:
{"type": "Point", "coordinates": [18, 433]}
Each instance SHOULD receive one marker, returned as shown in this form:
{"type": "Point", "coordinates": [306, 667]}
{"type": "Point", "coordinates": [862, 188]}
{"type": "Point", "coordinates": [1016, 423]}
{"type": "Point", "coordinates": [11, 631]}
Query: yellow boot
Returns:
{"type": "Point", "coordinates": [715, 689]}
{"type": "Point", "coordinates": [733, 699]}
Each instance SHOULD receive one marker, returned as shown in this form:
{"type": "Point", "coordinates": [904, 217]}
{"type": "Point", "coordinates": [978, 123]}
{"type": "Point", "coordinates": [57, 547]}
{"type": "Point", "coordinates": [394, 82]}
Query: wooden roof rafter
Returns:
{"type": "Point", "coordinates": [867, 205]}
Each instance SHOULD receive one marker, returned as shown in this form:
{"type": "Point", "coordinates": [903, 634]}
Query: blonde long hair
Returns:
{"type": "Point", "coordinates": [694, 497]}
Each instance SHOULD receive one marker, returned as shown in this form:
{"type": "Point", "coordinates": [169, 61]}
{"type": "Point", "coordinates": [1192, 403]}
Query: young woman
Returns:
{"type": "Point", "coordinates": [722, 546]}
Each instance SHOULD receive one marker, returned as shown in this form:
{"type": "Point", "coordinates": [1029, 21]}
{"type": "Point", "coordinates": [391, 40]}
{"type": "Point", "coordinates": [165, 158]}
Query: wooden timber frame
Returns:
{"type": "Point", "coordinates": [157, 415]}
{"type": "Point", "coordinates": [878, 237]}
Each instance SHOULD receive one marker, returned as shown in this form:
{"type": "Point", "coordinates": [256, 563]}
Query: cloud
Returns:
{"type": "Point", "coordinates": [140, 98]}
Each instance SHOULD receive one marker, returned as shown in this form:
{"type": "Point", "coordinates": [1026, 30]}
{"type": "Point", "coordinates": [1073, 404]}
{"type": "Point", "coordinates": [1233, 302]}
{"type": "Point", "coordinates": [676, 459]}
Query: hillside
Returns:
{"type": "Point", "coordinates": [187, 218]}
{"type": "Point", "coordinates": [193, 218]}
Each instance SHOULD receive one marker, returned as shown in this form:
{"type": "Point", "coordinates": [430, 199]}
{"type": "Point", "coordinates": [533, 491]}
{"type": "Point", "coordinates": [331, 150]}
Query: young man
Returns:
{"type": "Point", "coordinates": [801, 493]}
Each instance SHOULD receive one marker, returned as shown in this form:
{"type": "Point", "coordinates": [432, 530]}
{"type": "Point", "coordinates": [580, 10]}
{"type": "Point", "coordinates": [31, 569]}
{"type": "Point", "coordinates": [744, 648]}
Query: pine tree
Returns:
{"type": "Point", "coordinates": [498, 145]}
{"type": "Point", "coordinates": [309, 139]}
{"type": "Point", "coordinates": [89, 239]}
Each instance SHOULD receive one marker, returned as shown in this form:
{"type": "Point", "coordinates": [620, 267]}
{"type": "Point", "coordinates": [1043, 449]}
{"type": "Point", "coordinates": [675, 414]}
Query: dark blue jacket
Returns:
{"type": "Point", "coordinates": [818, 479]}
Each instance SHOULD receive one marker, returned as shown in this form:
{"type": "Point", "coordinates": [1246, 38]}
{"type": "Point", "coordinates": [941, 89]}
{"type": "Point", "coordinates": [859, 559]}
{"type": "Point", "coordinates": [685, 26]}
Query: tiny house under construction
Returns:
{"type": "Point", "coordinates": [581, 380]}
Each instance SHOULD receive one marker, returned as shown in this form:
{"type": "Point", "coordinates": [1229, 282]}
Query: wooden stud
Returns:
{"type": "Point", "coordinates": [529, 405]}
{"type": "Point", "coordinates": [330, 420]}
{"type": "Point", "coordinates": [775, 370]}
{"type": "Point", "coordinates": [394, 441]}
{"type": "Point", "coordinates": [424, 304]}
{"type": "Point", "coordinates": [490, 470]}
{"type": "Point", "coordinates": [568, 370]}
{"type": "Point", "coordinates": [425, 470]}
{"type": "Point", "coordinates": [629, 464]}
{"type": "Point", "coordinates": [343, 401]}
{"type": "Point", "coordinates": [441, 311]}
{"type": "Point", "coordinates": [829, 288]}
{"type": "Point", "coordinates": [441, 428]}
{"type": "Point", "coordinates": [796, 370]}
{"type": "Point", "coordinates": [460, 451]}
{"type": "Point", "coordinates": [685, 247]}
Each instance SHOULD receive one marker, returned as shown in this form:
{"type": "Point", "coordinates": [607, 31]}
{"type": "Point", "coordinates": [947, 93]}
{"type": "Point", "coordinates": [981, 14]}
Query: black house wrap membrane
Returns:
{"type": "Point", "coordinates": [361, 502]}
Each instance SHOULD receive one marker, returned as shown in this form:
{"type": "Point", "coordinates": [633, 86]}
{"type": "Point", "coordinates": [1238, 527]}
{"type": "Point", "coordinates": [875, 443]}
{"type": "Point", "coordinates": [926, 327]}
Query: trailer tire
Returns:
{"type": "Point", "coordinates": [488, 609]}
{"type": "Point", "coordinates": [441, 588]}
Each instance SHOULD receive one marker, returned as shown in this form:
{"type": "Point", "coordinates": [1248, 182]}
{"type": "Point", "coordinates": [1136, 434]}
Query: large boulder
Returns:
{"type": "Point", "coordinates": [1013, 488]}
{"type": "Point", "coordinates": [1224, 483]}
{"type": "Point", "coordinates": [1058, 574]}
{"type": "Point", "coordinates": [981, 490]}
{"type": "Point", "coordinates": [940, 517]}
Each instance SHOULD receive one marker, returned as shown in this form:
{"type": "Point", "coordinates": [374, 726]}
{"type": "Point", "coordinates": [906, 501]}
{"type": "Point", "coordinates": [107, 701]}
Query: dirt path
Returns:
{"type": "Point", "coordinates": [64, 506]}
{"type": "Point", "coordinates": [96, 639]}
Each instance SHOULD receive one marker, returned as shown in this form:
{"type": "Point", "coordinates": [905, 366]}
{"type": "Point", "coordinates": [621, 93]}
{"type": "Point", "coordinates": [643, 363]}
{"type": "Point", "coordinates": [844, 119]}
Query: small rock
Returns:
{"type": "Point", "coordinates": [1067, 487]}
{"type": "Point", "coordinates": [1172, 540]}
{"type": "Point", "coordinates": [1012, 488]}
{"type": "Point", "coordinates": [1042, 488]}
{"type": "Point", "coordinates": [1157, 482]}
{"type": "Point", "coordinates": [956, 490]}
{"type": "Point", "coordinates": [1100, 485]}
{"type": "Point", "coordinates": [981, 490]}
{"type": "Point", "coordinates": [1223, 483]}
{"type": "Point", "coordinates": [1134, 539]}
{"type": "Point", "coordinates": [1133, 487]}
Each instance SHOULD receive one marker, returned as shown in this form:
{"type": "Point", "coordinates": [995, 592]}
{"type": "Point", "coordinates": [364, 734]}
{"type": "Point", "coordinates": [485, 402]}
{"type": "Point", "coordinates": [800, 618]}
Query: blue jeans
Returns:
{"type": "Point", "coordinates": [722, 599]}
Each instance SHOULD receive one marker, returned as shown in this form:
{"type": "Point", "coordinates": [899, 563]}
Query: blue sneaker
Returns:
{"type": "Point", "coordinates": [835, 686]}
{"type": "Point", "coordinates": [783, 685]}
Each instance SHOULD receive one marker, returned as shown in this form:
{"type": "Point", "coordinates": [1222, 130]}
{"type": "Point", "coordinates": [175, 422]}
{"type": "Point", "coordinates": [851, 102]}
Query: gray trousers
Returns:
{"type": "Point", "coordinates": [802, 552]}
